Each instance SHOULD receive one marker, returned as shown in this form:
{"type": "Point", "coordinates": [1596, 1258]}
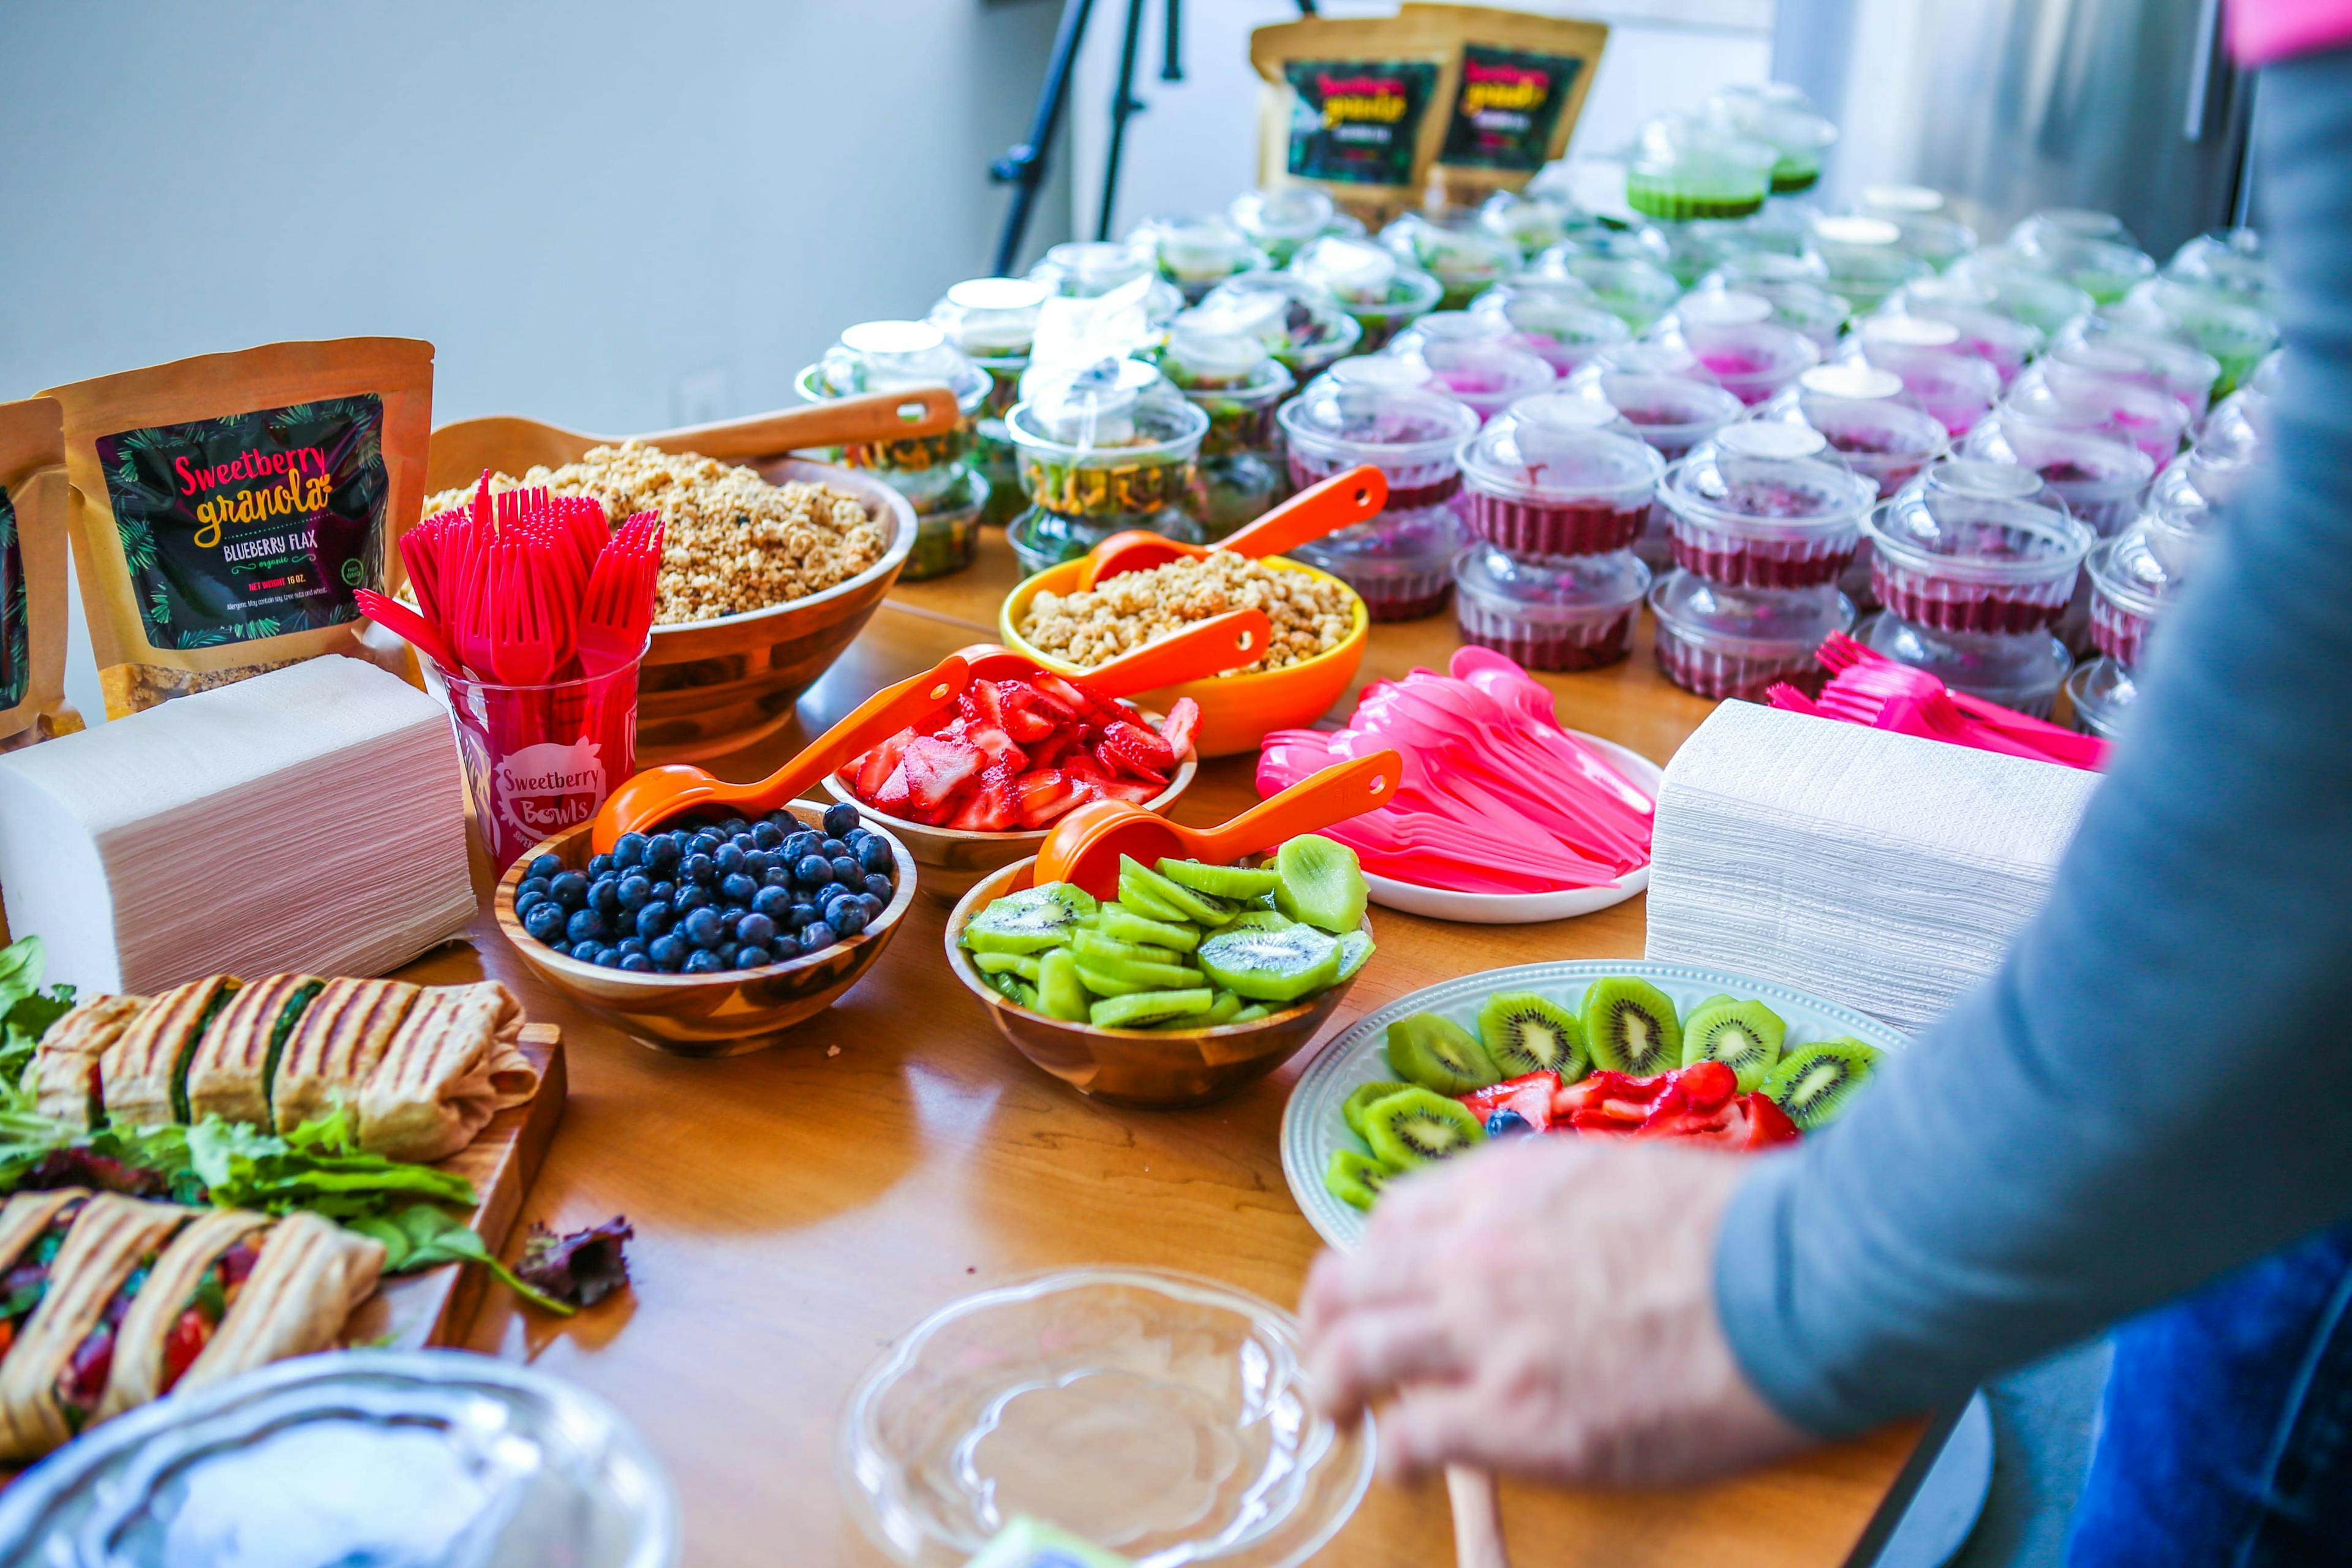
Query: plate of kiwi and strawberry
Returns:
{"type": "Point", "coordinates": [1612, 1049]}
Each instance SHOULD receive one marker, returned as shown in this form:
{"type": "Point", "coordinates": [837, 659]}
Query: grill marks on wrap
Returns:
{"type": "Point", "coordinates": [236, 1059]}
{"type": "Point", "coordinates": [101, 1253]}
{"type": "Point", "coordinates": [144, 1074]}
{"type": "Point", "coordinates": [335, 1046]}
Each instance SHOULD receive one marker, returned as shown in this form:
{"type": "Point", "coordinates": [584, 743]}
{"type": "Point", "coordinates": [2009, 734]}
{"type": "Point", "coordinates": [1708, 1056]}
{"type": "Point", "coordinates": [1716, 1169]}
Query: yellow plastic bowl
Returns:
{"type": "Point", "coordinates": [1236, 710]}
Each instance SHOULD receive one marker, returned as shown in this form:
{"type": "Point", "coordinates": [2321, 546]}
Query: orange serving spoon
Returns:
{"type": "Point", "coordinates": [1204, 649]}
{"type": "Point", "coordinates": [1323, 507]}
{"type": "Point", "coordinates": [657, 795]}
{"type": "Point", "coordinates": [1085, 844]}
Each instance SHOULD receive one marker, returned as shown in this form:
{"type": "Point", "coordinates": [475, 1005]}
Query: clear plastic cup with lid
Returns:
{"type": "Point", "coordinates": [893, 356]}
{"type": "Point", "coordinates": [1298, 319]}
{"type": "Point", "coordinates": [2106, 268]}
{"type": "Point", "coordinates": [1758, 267]}
{"type": "Point", "coordinates": [1781, 116]}
{"type": "Point", "coordinates": [2020, 671]}
{"type": "Point", "coordinates": [1557, 318]}
{"type": "Point", "coordinates": [1860, 411]}
{"type": "Point", "coordinates": [1637, 288]}
{"type": "Point", "coordinates": [1450, 327]}
{"type": "Point", "coordinates": [1764, 505]}
{"type": "Point", "coordinates": [1531, 221]}
{"type": "Point", "coordinates": [2230, 261]}
{"type": "Point", "coordinates": [1687, 167]}
{"type": "Point", "coordinates": [1386, 368]}
{"type": "Point", "coordinates": [1986, 332]}
{"type": "Point", "coordinates": [1196, 254]}
{"type": "Point", "coordinates": [1737, 342]}
{"type": "Point", "coordinates": [1972, 547]}
{"type": "Point", "coordinates": [2181, 520]}
{"type": "Point", "coordinates": [1938, 373]}
{"type": "Point", "coordinates": [1383, 294]}
{"type": "Point", "coordinates": [1865, 259]}
{"type": "Point", "coordinates": [1089, 268]}
{"type": "Point", "coordinates": [2095, 347]}
{"type": "Point", "coordinates": [2053, 226]}
{"type": "Point", "coordinates": [1226, 373]}
{"type": "Point", "coordinates": [2102, 478]}
{"type": "Point", "coordinates": [1465, 257]}
{"type": "Point", "coordinates": [1723, 642]}
{"type": "Point", "coordinates": [2023, 292]}
{"type": "Point", "coordinates": [2152, 420]}
{"type": "Point", "coordinates": [994, 321]}
{"type": "Point", "coordinates": [1487, 374]}
{"type": "Point", "coordinates": [1281, 220]}
{"type": "Point", "coordinates": [1564, 613]}
{"type": "Point", "coordinates": [2129, 589]}
{"type": "Point", "coordinates": [2101, 692]}
{"type": "Point", "coordinates": [1809, 308]}
{"type": "Point", "coordinates": [2236, 334]}
{"type": "Point", "coordinates": [1697, 247]}
{"type": "Point", "coordinates": [1671, 412]}
{"type": "Point", "coordinates": [1104, 448]}
{"type": "Point", "coordinates": [2228, 443]}
{"type": "Point", "coordinates": [1553, 478]}
{"type": "Point", "coordinates": [1412, 434]}
{"type": "Point", "coordinates": [1401, 564]}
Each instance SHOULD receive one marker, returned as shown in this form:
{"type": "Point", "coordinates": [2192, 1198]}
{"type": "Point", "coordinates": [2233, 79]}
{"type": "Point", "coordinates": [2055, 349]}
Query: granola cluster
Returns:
{"type": "Point", "coordinates": [732, 541]}
{"type": "Point", "coordinates": [1311, 615]}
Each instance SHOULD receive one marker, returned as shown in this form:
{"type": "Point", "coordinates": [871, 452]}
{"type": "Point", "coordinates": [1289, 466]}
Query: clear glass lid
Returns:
{"type": "Point", "coordinates": [1292, 213]}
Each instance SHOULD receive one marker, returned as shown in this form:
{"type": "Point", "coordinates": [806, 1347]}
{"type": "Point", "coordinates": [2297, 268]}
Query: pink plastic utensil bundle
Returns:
{"type": "Point", "coordinates": [1867, 688]}
{"type": "Point", "coordinates": [1496, 796]}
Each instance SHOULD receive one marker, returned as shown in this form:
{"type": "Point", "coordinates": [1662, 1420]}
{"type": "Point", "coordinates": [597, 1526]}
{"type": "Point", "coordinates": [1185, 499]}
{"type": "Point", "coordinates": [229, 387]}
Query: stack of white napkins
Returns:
{"type": "Point", "coordinates": [311, 819]}
{"type": "Point", "coordinates": [1876, 869]}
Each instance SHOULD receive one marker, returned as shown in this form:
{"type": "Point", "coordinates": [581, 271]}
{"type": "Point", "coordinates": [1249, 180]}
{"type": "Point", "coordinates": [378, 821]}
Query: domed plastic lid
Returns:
{"type": "Point", "coordinates": [1722, 307]}
{"type": "Point", "coordinates": [1907, 332]}
{"type": "Point", "coordinates": [1786, 122]}
{"type": "Point", "coordinates": [1896, 202]}
{"type": "Point", "coordinates": [2129, 574]}
{"type": "Point", "coordinates": [1767, 470]}
{"type": "Point", "coordinates": [1687, 166]}
{"type": "Point", "coordinates": [891, 357]}
{"type": "Point", "coordinates": [1456, 255]}
{"type": "Point", "coordinates": [1294, 316]}
{"type": "Point", "coordinates": [1770, 439]}
{"type": "Point", "coordinates": [1089, 268]}
{"type": "Point", "coordinates": [1650, 357]}
{"type": "Point", "coordinates": [1555, 310]}
{"type": "Point", "coordinates": [1356, 271]}
{"type": "Point", "coordinates": [1451, 327]}
{"type": "Point", "coordinates": [1388, 426]}
{"type": "Point", "coordinates": [992, 318]}
{"type": "Point", "coordinates": [1774, 622]}
{"type": "Point", "coordinates": [1215, 350]}
{"type": "Point", "coordinates": [1856, 229]}
{"type": "Point", "coordinates": [2023, 292]}
{"type": "Point", "coordinates": [2229, 441]}
{"type": "Point", "coordinates": [1384, 369]}
{"type": "Point", "coordinates": [1664, 408]}
{"type": "Point", "coordinates": [2086, 464]}
{"type": "Point", "coordinates": [2149, 417]}
{"type": "Point", "coordinates": [2228, 261]}
{"type": "Point", "coordinates": [1562, 409]}
{"type": "Point", "coordinates": [1113, 403]}
{"type": "Point", "coordinates": [1854, 381]}
{"type": "Point", "coordinates": [1767, 266]}
{"type": "Point", "coordinates": [1485, 372]}
{"type": "Point", "coordinates": [1551, 464]}
{"type": "Point", "coordinates": [1291, 212]}
{"type": "Point", "coordinates": [2098, 346]}
{"type": "Point", "coordinates": [1198, 250]}
{"type": "Point", "coordinates": [2180, 520]}
{"type": "Point", "coordinates": [1558, 588]}
{"type": "Point", "coordinates": [1530, 222]}
{"type": "Point", "coordinates": [1980, 521]}
{"type": "Point", "coordinates": [2071, 223]}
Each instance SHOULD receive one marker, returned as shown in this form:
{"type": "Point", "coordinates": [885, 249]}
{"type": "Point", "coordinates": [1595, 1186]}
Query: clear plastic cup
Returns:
{"type": "Point", "coordinates": [2059, 225]}
{"type": "Point", "coordinates": [1487, 374]}
{"type": "Point", "coordinates": [1689, 166]}
{"type": "Point", "coordinates": [1196, 254]}
{"type": "Point", "coordinates": [1985, 332]}
{"type": "Point", "coordinates": [1671, 412]}
{"type": "Point", "coordinates": [892, 356]}
{"type": "Point", "coordinates": [2104, 267]}
{"type": "Point", "coordinates": [1401, 564]}
{"type": "Point", "coordinates": [2101, 692]}
{"type": "Point", "coordinates": [1385, 368]}
{"type": "Point", "coordinates": [1089, 268]}
{"type": "Point", "coordinates": [1738, 344]}
{"type": "Point", "coordinates": [1465, 257]}
{"type": "Point", "coordinates": [2236, 334]}
{"type": "Point", "coordinates": [1298, 319]}
{"type": "Point", "coordinates": [1557, 318]}
{"type": "Point", "coordinates": [2020, 671]}
{"type": "Point", "coordinates": [1860, 412]}
{"type": "Point", "coordinates": [1279, 221]}
{"type": "Point", "coordinates": [2102, 478]}
{"type": "Point", "coordinates": [1699, 245]}
{"type": "Point", "coordinates": [2229, 444]}
{"type": "Point", "coordinates": [1536, 486]}
{"type": "Point", "coordinates": [1723, 642]}
{"type": "Point", "coordinates": [1781, 116]}
{"type": "Point", "coordinates": [1764, 267]}
{"type": "Point", "coordinates": [1532, 221]}
{"type": "Point", "coordinates": [1637, 288]}
{"type": "Point", "coordinates": [1865, 259]}
{"type": "Point", "coordinates": [2228, 261]}
{"type": "Point", "coordinates": [993, 321]}
{"type": "Point", "coordinates": [1103, 449]}
{"type": "Point", "coordinates": [2181, 520]}
{"type": "Point", "coordinates": [1968, 547]}
{"type": "Point", "coordinates": [1371, 285]}
{"type": "Point", "coordinates": [1809, 308]}
{"type": "Point", "coordinates": [2023, 292]}
{"type": "Point", "coordinates": [2152, 420]}
{"type": "Point", "coordinates": [2095, 347]}
{"type": "Point", "coordinates": [1764, 506]}
{"type": "Point", "coordinates": [1412, 435]}
{"type": "Point", "coordinates": [538, 759]}
{"type": "Point", "coordinates": [1450, 327]}
{"type": "Point", "coordinates": [2129, 588]}
{"type": "Point", "coordinates": [1574, 612]}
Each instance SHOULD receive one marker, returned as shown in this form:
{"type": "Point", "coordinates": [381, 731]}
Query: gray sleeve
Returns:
{"type": "Point", "coordinates": [2157, 1084]}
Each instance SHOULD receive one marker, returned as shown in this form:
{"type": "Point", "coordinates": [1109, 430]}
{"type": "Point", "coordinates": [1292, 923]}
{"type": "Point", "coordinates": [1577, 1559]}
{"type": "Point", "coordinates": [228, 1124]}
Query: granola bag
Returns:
{"type": "Point", "coordinates": [34, 499]}
{"type": "Point", "coordinates": [1520, 86]}
{"type": "Point", "coordinates": [1354, 107]}
{"type": "Point", "coordinates": [228, 509]}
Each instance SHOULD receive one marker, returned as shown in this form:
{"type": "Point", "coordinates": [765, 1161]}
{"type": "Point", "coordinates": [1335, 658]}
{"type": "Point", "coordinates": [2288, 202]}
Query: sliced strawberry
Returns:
{"type": "Point", "coordinates": [1692, 1125]}
{"type": "Point", "coordinates": [1700, 1089]}
{"type": "Point", "coordinates": [1132, 749]}
{"type": "Point", "coordinates": [876, 765]}
{"type": "Point", "coordinates": [982, 705]}
{"type": "Point", "coordinates": [938, 770]}
{"type": "Point", "coordinates": [1082, 700]}
{"type": "Point", "coordinates": [1595, 1124]}
{"type": "Point", "coordinates": [1184, 723]}
{"type": "Point", "coordinates": [1023, 697]}
{"type": "Point", "coordinates": [1083, 765]}
{"type": "Point", "coordinates": [1058, 742]}
{"type": "Point", "coordinates": [1135, 792]}
{"type": "Point", "coordinates": [1595, 1090]}
{"type": "Point", "coordinates": [1042, 794]}
{"type": "Point", "coordinates": [1767, 1124]}
{"type": "Point", "coordinates": [991, 808]}
{"type": "Point", "coordinates": [1530, 1095]}
{"type": "Point", "coordinates": [1024, 715]}
{"type": "Point", "coordinates": [997, 747]}
{"type": "Point", "coordinates": [896, 795]}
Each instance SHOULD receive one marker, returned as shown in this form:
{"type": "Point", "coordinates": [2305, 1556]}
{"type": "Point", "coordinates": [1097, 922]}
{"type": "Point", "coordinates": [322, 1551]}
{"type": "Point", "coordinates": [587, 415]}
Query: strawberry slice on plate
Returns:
{"type": "Point", "coordinates": [1530, 1095]}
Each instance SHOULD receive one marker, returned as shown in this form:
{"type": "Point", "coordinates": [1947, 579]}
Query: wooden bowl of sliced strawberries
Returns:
{"type": "Point", "coordinates": [978, 788]}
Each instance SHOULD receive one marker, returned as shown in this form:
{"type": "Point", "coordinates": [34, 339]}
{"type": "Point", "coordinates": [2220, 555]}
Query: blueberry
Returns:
{"type": "Point", "coordinates": [586, 951]}
{"type": "Point", "coordinates": [585, 925]}
{"type": "Point", "coordinates": [772, 902]}
{"type": "Point", "coordinates": [781, 818]}
{"type": "Point", "coordinates": [526, 902]}
{"type": "Point", "coordinates": [750, 957]}
{"type": "Point", "coordinates": [610, 957]}
{"type": "Point", "coordinates": [800, 845]}
{"type": "Point", "coordinates": [756, 863]}
{"type": "Point", "coordinates": [692, 895]}
{"type": "Point", "coordinates": [699, 867]}
{"type": "Point", "coordinates": [569, 889]}
{"type": "Point", "coordinates": [840, 817]}
{"type": "Point", "coordinates": [801, 914]}
{"type": "Point", "coordinates": [727, 952]}
{"type": "Point", "coordinates": [654, 919]}
{"type": "Point", "coordinates": [636, 963]}
{"type": "Point", "coordinates": [704, 928]}
{"type": "Point", "coordinates": [873, 906]}
{"type": "Point", "coordinates": [755, 930]}
{"type": "Point", "coordinates": [663, 892]}
{"type": "Point", "coordinates": [876, 884]}
{"type": "Point", "coordinates": [546, 868]}
{"type": "Point", "coordinates": [1507, 1124]}
{"type": "Point", "coordinates": [630, 850]}
{"type": "Point", "coordinates": [817, 938]}
{"type": "Point", "coordinates": [703, 843]}
{"type": "Point", "coordinates": [813, 871]}
{"type": "Point", "coordinates": [605, 894]}
{"type": "Point", "coordinates": [873, 855]}
{"type": "Point", "coordinates": [833, 849]}
{"type": "Point", "coordinates": [745, 842]}
{"type": "Point", "coordinates": [777, 876]}
{"type": "Point", "coordinates": [847, 872]}
{"type": "Point", "coordinates": [664, 854]}
{"type": "Point", "coordinates": [701, 960]}
{"type": "Point", "coordinates": [598, 866]}
{"type": "Point", "coordinates": [727, 858]}
{"type": "Point", "coordinates": [667, 953]}
{"type": "Point", "coordinates": [634, 892]}
{"type": "Point", "coordinates": [630, 944]}
{"type": "Point", "coordinates": [767, 835]}
{"type": "Point", "coordinates": [733, 826]}
{"type": "Point", "coordinates": [846, 915]}
{"type": "Point", "coordinates": [531, 885]}
{"type": "Point", "coordinates": [544, 921]}
{"type": "Point", "coordinates": [739, 888]}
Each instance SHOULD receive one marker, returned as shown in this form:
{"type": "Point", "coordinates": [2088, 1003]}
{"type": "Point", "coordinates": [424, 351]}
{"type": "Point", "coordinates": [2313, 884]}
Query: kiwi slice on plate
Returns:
{"type": "Point", "coordinates": [1024, 964]}
{"type": "Point", "coordinates": [1271, 965]}
{"type": "Point", "coordinates": [1416, 1126]}
{"type": "Point", "coordinates": [1191, 905]}
{"type": "Point", "coordinates": [1355, 951]}
{"type": "Point", "coordinates": [1743, 1036]}
{"type": "Point", "coordinates": [1253, 917]}
{"type": "Point", "coordinates": [1526, 1033]}
{"type": "Point", "coordinates": [1711, 1001]}
{"type": "Point", "coordinates": [1122, 923]}
{"type": "Point", "coordinates": [1093, 944]}
{"type": "Point", "coordinates": [1351, 1109]}
{"type": "Point", "coordinates": [1439, 1054]}
{"type": "Point", "coordinates": [1815, 1083]}
{"type": "Point", "coordinates": [1322, 883]}
{"type": "Point", "coordinates": [1030, 920]}
{"type": "Point", "coordinates": [1354, 1179]}
{"type": "Point", "coordinates": [1630, 1026]}
{"type": "Point", "coordinates": [1140, 1008]}
{"type": "Point", "coordinates": [1060, 993]}
{"type": "Point", "coordinates": [1234, 882]}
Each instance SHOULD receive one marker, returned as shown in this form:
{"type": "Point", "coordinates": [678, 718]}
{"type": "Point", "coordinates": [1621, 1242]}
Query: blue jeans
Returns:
{"type": "Point", "coordinates": [2226, 1434]}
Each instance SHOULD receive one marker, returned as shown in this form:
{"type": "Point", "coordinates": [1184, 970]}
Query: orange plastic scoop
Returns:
{"type": "Point", "coordinates": [1202, 649]}
{"type": "Point", "coordinates": [1341, 502]}
{"type": "Point", "coordinates": [652, 797]}
{"type": "Point", "coordinates": [1084, 845]}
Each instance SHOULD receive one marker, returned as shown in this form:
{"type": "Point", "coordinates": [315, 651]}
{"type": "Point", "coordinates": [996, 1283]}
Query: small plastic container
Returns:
{"type": "Point", "coordinates": [1089, 268]}
{"type": "Point", "coordinates": [1967, 548]}
{"type": "Point", "coordinates": [1636, 288]}
{"type": "Point", "coordinates": [1412, 435]}
{"type": "Point", "coordinates": [931, 471]}
{"type": "Point", "coordinates": [1984, 333]}
{"type": "Point", "coordinates": [1450, 327]}
{"type": "Point", "coordinates": [2022, 671]}
{"type": "Point", "coordinates": [1763, 506]}
{"type": "Point", "coordinates": [2129, 587]}
{"type": "Point", "coordinates": [2151, 420]}
{"type": "Point", "coordinates": [1687, 167]}
{"type": "Point", "coordinates": [1536, 486]}
{"type": "Point", "coordinates": [1371, 285]}
{"type": "Point", "coordinates": [2236, 334]}
{"type": "Point", "coordinates": [1557, 318]}
{"type": "Point", "coordinates": [1725, 642]}
{"type": "Point", "coordinates": [2230, 262]}
{"type": "Point", "coordinates": [1196, 254]}
{"type": "Point", "coordinates": [1760, 268]}
{"type": "Point", "coordinates": [993, 321]}
{"type": "Point", "coordinates": [1531, 221]}
{"type": "Point", "coordinates": [2098, 345]}
{"type": "Point", "coordinates": [1228, 375]}
{"type": "Point", "coordinates": [2180, 521]}
{"type": "Point", "coordinates": [1673, 413]}
{"type": "Point", "coordinates": [1928, 229]}
{"type": "Point", "coordinates": [2057, 225]}
{"type": "Point", "coordinates": [2101, 692]}
{"type": "Point", "coordinates": [1739, 345]}
{"type": "Point", "coordinates": [1104, 449]}
{"type": "Point", "coordinates": [1465, 259]}
{"type": "Point", "coordinates": [1866, 259]}
{"type": "Point", "coordinates": [2228, 443]}
{"type": "Point", "coordinates": [1806, 307]}
{"type": "Point", "coordinates": [1280, 221]}
{"type": "Point", "coordinates": [1489, 374]}
{"type": "Point", "coordinates": [1401, 564]}
{"type": "Point", "coordinates": [1299, 320]}
{"type": "Point", "coordinates": [2105, 269]}
{"type": "Point", "coordinates": [1938, 373]}
{"type": "Point", "coordinates": [1781, 116]}
{"type": "Point", "coordinates": [1860, 412]}
{"type": "Point", "coordinates": [2102, 480]}
{"type": "Point", "coordinates": [948, 537]}
{"type": "Point", "coordinates": [2023, 292]}
{"type": "Point", "coordinates": [1574, 612]}
{"type": "Point", "coordinates": [1696, 247]}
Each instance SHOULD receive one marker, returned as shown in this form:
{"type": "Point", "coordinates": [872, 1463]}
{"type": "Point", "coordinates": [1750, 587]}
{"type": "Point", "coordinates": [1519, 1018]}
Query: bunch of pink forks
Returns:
{"type": "Point", "coordinates": [1867, 688]}
{"type": "Point", "coordinates": [1497, 796]}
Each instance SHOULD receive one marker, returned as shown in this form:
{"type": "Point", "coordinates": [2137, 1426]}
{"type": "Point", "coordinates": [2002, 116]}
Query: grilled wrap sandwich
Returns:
{"type": "Point", "coordinates": [450, 1068]}
{"type": "Point", "coordinates": [236, 1062]}
{"type": "Point", "coordinates": [54, 1377]}
{"type": "Point", "coordinates": [143, 1073]}
{"type": "Point", "coordinates": [65, 1069]}
{"type": "Point", "coordinates": [335, 1046]}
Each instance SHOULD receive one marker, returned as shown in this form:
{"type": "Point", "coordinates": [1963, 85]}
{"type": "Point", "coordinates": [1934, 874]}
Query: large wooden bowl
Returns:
{"type": "Point", "coordinates": [722, 1015]}
{"type": "Point", "coordinates": [710, 686]}
{"type": "Point", "coordinates": [1157, 1067]}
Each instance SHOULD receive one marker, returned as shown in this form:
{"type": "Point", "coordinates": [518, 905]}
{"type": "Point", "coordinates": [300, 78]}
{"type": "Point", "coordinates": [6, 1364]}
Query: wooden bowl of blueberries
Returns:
{"type": "Point", "coordinates": [711, 938]}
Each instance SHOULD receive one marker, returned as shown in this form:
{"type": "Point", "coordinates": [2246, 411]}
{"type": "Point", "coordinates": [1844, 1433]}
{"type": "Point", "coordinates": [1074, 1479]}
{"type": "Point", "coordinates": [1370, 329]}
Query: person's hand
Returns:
{"type": "Point", "coordinates": [1547, 1308]}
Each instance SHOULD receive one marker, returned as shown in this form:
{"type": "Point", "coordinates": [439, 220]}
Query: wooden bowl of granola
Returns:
{"type": "Point", "coordinates": [1236, 710]}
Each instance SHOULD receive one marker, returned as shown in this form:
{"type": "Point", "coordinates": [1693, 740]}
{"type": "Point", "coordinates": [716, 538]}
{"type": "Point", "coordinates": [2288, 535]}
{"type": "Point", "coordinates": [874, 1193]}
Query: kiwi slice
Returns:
{"type": "Point", "coordinates": [1122, 923]}
{"type": "Point", "coordinates": [1271, 965]}
{"type": "Point", "coordinates": [1354, 1179]}
{"type": "Point", "coordinates": [1141, 1007]}
{"type": "Point", "coordinates": [1417, 1126]}
{"type": "Point", "coordinates": [1351, 1109]}
{"type": "Point", "coordinates": [1743, 1036]}
{"type": "Point", "coordinates": [1439, 1054]}
{"type": "Point", "coordinates": [1013, 989]}
{"type": "Point", "coordinates": [1253, 917]}
{"type": "Point", "coordinates": [1137, 895]}
{"type": "Point", "coordinates": [1252, 1014]}
{"type": "Point", "coordinates": [1192, 905]}
{"type": "Point", "coordinates": [1711, 1001]}
{"type": "Point", "coordinates": [1136, 974]}
{"type": "Point", "coordinates": [1630, 1026]}
{"type": "Point", "coordinates": [1322, 883]}
{"type": "Point", "coordinates": [1355, 951]}
{"type": "Point", "coordinates": [1815, 1083]}
{"type": "Point", "coordinates": [1060, 993]}
{"type": "Point", "coordinates": [1526, 1033]}
{"type": "Point", "coordinates": [1030, 920]}
{"type": "Point", "coordinates": [1222, 1010]}
{"type": "Point", "coordinates": [1024, 964]}
{"type": "Point", "coordinates": [1093, 945]}
{"type": "Point", "coordinates": [1233, 883]}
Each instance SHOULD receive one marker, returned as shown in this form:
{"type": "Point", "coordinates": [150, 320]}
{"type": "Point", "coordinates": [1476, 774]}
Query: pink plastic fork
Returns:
{"type": "Point", "coordinates": [1842, 653]}
{"type": "Point", "coordinates": [618, 611]}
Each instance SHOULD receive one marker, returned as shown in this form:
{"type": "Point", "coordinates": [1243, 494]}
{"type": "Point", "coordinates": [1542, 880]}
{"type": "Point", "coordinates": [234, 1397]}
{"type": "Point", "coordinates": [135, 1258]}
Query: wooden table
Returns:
{"type": "Point", "coordinates": [797, 1208]}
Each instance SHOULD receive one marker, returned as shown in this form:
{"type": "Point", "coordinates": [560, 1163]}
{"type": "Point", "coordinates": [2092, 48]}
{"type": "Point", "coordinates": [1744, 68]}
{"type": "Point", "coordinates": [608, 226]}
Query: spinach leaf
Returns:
{"type": "Point", "coordinates": [434, 1236]}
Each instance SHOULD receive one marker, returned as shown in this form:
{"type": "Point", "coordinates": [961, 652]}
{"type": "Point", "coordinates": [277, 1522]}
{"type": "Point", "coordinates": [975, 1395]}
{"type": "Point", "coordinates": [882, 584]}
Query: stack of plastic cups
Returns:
{"type": "Point", "coordinates": [1556, 319]}
{"type": "Point", "coordinates": [1938, 373]}
{"type": "Point", "coordinates": [1671, 403]}
{"type": "Point", "coordinates": [1103, 450]}
{"type": "Point", "coordinates": [1764, 520]}
{"type": "Point", "coordinates": [1474, 356]}
{"type": "Point", "coordinates": [1861, 412]}
{"type": "Point", "coordinates": [1224, 370]}
{"type": "Point", "coordinates": [1279, 222]}
{"type": "Point", "coordinates": [1555, 491]}
{"type": "Point", "coordinates": [1465, 259]}
{"type": "Point", "coordinates": [1401, 562]}
{"type": "Point", "coordinates": [1733, 336]}
{"type": "Point", "coordinates": [991, 321]}
{"type": "Point", "coordinates": [1975, 563]}
{"type": "Point", "coordinates": [935, 473]}
{"type": "Point", "coordinates": [1196, 254]}
{"type": "Point", "coordinates": [1384, 296]}
{"type": "Point", "coordinates": [1301, 324]}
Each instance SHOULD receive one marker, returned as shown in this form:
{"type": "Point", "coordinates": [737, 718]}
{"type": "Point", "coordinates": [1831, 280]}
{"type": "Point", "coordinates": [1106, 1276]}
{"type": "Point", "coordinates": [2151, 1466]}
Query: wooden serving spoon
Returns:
{"type": "Point", "coordinates": [655, 795]}
{"type": "Point", "coordinates": [1204, 649]}
{"type": "Point", "coordinates": [1085, 844]}
{"type": "Point", "coordinates": [1325, 507]}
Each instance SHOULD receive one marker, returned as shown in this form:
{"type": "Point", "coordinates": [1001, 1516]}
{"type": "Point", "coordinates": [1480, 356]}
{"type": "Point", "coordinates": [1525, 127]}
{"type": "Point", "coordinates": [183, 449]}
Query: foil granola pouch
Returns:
{"type": "Point", "coordinates": [34, 502]}
{"type": "Point", "coordinates": [227, 510]}
{"type": "Point", "coordinates": [1519, 88]}
{"type": "Point", "coordinates": [1355, 107]}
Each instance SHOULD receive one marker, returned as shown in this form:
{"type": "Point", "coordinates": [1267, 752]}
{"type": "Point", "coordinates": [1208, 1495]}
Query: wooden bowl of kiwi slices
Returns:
{"type": "Point", "coordinates": [1168, 966]}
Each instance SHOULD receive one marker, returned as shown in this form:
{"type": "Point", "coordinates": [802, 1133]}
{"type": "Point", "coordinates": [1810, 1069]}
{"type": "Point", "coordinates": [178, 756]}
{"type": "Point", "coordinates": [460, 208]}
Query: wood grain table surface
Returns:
{"type": "Point", "coordinates": [798, 1209]}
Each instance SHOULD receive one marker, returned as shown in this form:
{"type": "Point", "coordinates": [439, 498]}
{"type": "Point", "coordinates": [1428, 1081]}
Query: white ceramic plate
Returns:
{"type": "Point", "coordinates": [1312, 1130]}
{"type": "Point", "coordinates": [1526, 909]}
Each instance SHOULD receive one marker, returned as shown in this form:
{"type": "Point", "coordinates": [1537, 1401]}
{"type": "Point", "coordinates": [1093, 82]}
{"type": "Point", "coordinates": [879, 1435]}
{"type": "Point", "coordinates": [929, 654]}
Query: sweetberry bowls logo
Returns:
{"type": "Point", "coordinates": [541, 790]}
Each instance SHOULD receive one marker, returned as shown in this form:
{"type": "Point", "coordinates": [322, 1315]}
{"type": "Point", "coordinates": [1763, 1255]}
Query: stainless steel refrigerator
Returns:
{"type": "Point", "coordinates": [2129, 106]}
